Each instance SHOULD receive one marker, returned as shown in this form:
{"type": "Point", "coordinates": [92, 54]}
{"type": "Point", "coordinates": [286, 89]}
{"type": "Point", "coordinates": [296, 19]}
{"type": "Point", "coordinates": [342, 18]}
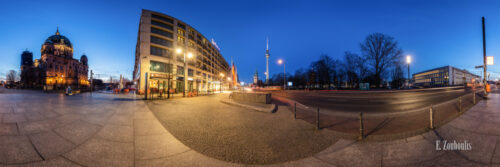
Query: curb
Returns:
{"type": "Point", "coordinates": [271, 109]}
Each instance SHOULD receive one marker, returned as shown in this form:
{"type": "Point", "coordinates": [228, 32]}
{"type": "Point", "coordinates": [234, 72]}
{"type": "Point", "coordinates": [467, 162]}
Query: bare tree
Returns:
{"type": "Point", "coordinates": [324, 69]}
{"type": "Point", "coordinates": [380, 51]}
{"type": "Point", "coordinates": [350, 66]}
{"type": "Point", "coordinates": [299, 78]}
{"type": "Point", "coordinates": [11, 76]}
{"type": "Point", "coordinates": [397, 73]}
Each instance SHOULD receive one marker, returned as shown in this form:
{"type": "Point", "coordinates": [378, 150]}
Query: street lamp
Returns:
{"type": "Point", "coordinates": [221, 76]}
{"type": "Point", "coordinates": [280, 61]}
{"type": "Point", "coordinates": [189, 55]}
{"type": "Point", "coordinates": [408, 61]}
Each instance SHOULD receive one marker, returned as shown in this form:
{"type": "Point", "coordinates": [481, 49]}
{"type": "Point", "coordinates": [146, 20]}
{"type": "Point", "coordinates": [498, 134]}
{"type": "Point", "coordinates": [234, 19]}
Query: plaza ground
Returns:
{"type": "Point", "coordinates": [39, 129]}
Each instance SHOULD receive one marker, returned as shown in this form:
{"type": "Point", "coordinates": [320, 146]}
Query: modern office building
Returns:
{"type": "Point", "coordinates": [444, 76]}
{"type": "Point", "coordinates": [162, 44]}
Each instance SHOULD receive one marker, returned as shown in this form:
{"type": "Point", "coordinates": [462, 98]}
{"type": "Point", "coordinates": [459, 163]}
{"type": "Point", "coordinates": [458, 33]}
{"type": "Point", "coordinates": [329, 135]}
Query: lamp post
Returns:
{"type": "Point", "coordinates": [408, 61]}
{"type": "Point", "coordinates": [189, 55]}
{"type": "Point", "coordinates": [280, 61]}
{"type": "Point", "coordinates": [221, 79]}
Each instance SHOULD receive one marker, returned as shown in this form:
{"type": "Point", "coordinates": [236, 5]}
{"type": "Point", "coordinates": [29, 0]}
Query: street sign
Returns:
{"type": "Point", "coordinates": [479, 66]}
{"type": "Point", "coordinates": [290, 84]}
{"type": "Point", "coordinates": [489, 60]}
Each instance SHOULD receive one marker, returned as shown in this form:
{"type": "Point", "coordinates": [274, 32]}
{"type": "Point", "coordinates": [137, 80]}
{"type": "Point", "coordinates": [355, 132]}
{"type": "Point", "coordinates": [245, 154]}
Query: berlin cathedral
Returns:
{"type": "Point", "coordinates": [56, 68]}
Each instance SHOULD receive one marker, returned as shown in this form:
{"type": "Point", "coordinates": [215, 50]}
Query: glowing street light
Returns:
{"type": "Point", "coordinates": [489, 60]}
{"type": "Point", "coordinates": [408, 61]}
{"type": "Point", "coordinates": [189, 55]}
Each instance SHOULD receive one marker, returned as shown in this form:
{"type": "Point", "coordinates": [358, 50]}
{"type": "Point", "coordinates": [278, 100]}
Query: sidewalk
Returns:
{"type": "Point", "coordinates": [118, 133]}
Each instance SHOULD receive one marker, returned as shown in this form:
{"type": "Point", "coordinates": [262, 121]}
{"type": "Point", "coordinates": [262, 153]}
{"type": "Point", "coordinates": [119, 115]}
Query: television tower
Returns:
{"type": "Point", "coordinates": [267, 61]}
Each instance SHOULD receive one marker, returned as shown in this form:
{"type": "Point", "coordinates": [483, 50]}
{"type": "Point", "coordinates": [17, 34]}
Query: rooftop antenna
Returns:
{"type": "Point", "coordinates": [267, 43]}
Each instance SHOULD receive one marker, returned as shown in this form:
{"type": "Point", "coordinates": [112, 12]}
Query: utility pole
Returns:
{"type": "Point", "coordinates": [409, 80]}
{"type": "Point", "coordinates": [267, 62]}
{"type": "Point", "coordinates": [91, 81]}
{"type": "Point", "coordinates": [484, 57]}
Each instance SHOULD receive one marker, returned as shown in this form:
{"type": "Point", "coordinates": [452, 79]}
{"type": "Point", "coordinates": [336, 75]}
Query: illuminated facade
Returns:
{"type": "Point", "coordinates": [56, 67]}
{"type": "Point", "coordinates": [444, 76]}
{"type": "Point", "coordinates": [158, 39]}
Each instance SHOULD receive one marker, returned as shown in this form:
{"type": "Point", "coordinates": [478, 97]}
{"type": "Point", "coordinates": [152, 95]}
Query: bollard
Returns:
{"type": "Point", "coordinates": [460, 104]}
{"type": "Point", "coordinates": [431, 114]}
{"type": "Point", "coordinates": [317, 118]}
{"type": "Point", "coordinates": [474, 98]}
{"type": "Point", "coordinates": [361, 126]}
{"type": "Point", "coordinates": [294, 110]}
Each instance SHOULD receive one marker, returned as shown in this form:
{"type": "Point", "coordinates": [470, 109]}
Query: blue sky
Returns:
{"type": "Point", "coordinates": [435, 33]}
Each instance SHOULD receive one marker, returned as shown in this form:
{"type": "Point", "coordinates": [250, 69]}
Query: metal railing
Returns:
{"type": "Point", "coordinates": [435, 114]}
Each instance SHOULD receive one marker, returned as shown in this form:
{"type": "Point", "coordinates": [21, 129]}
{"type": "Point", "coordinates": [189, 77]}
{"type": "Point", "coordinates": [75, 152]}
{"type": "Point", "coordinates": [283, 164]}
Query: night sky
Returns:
{"type": "Point", "coordinates": [434, 33]}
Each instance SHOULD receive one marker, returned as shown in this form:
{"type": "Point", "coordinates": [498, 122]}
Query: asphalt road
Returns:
{"type": "Point", "coordinates": [374, 101]}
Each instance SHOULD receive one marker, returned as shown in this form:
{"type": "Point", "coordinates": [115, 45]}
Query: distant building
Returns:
{"type": "Point", "coordinates": [256, 78]}
{"type": "Point", "coordinates": [56, 68]}
{"type": "Point", "coordinates": [444, 76]}
{"type": "Point", "coordinates": [159, 37]}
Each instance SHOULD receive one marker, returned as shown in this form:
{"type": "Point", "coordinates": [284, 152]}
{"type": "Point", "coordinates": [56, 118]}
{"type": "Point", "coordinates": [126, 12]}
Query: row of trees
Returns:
{"type": "Point", "coordinates": [380, 60]}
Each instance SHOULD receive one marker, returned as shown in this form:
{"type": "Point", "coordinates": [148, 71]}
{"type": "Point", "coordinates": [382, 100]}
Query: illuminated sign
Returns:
{"type": "Point", "coordinates": [290, 84]}
{"type": "Point", "coordinates": [161, 76]}
{"type": "Point", "coordinates": [489, 60]}
{"type": "Point", "coordinates": [215, 44]}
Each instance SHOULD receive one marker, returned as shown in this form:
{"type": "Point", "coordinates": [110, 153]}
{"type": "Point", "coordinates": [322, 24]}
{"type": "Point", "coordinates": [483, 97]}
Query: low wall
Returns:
{"type": "Point", "coordinates": [263, 98]}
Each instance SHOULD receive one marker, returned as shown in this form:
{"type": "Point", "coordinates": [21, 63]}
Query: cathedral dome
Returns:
{"type": "Point", "coordinates": [58, 39]}
{"type": "Point", "coordinates": [84, 60]}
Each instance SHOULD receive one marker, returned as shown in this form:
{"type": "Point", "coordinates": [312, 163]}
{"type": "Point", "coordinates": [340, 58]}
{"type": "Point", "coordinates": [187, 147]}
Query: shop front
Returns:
{"type": "Point", "coordinates": [160, 86]}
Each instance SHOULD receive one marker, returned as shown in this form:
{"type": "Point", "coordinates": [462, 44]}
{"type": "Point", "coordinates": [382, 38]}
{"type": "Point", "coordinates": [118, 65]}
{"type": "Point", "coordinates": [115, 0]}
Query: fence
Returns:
{"type": "Point", "coordinates": [383, 126]}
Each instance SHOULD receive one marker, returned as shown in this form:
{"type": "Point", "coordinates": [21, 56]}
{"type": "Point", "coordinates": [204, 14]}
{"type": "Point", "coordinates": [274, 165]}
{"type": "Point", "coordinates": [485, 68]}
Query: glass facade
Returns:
{"type": "Point", "coordinates": [190, 72]}
{"type": "Point", "coordinates": [162, 33]}
{"type": "Point", "coordinates": [180, 70]}
{"type": "Point", "coordinates": [162, 25]}
{"type": "Point", "coordinates": [160, 67]}
{"type": "Point", "coordinates": [160, 41]}
{"type": "Point", "coordinates": [160, 52]}
{"type": "Point", "coordinates": [181, 25]}
{"type": "Point", "coordinates": [162, 18]}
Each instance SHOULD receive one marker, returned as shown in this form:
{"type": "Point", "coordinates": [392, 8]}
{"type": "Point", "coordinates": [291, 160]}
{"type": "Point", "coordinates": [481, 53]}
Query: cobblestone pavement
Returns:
{"type": "Point", "coordinates": [237, 134]}
{"type": "Point", "coordinates": [39, 129]}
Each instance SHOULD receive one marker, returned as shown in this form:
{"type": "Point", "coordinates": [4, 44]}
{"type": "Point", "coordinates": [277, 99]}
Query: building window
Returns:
{"type": "Point", "coordinates": [163, 25]}
{"type": "Point", "coordinates": [160, 41]}
{"type": "Point", "coordinates": [180, 32]}
{"type": "Point", "coordinates": [162, 33]}
{"type": "Point", "coordinates": [181, 25]}
{"type": "Point", "coordinates": [162, 18]}
{"type": "Point", "coordinates": [190, 72]}
{"type": "Point", "coordinates": [180, 39]}
{"type": "Point", "coordinates": [160, 52]}
{"type": "Point", "coordinates": [160, 67]}
{"type": "Point", "coordinates": [180, 70]}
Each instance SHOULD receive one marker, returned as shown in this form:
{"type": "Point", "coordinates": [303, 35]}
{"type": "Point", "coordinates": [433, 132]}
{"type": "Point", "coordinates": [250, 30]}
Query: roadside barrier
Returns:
{"type": "Point", "coordinates": [419, 120]}
{"type": "Point", "coordinates": [295, 110]}
{"type": "Point", "coordinates": [474, 98]}
{"type": "Point", "coordinates": [361, 127]}
{"type": "Point", "coordinates": [317, 119]}
{"type": "Point", "coordinates": [431, 118]}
